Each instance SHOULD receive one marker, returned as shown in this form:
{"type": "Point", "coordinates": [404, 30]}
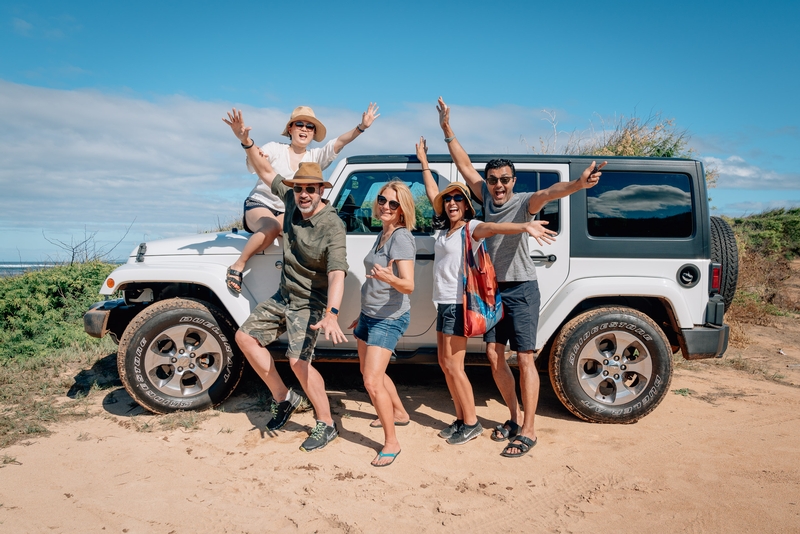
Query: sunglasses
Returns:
{"type": "Point", "coordinates": [306, 125]}
{"type": "Point", "coordinates": [393, 204]}
{"type": "Point", "coordinates": [310, 189]}
{"type": "Point", "coordinates": [492, 180]}
{"type": "Point", "coordinates": [456, 197]}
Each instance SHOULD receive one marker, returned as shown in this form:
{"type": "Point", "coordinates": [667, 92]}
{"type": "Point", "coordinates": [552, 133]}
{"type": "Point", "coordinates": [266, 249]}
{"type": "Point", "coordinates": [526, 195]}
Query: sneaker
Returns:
{"type": "Point", "coordinates": [281, 411]}
{"type": "Point", "coordinates": [320, 436]}
{"type": "Point", "coordinates": [448, 431]}
{"type": "Point", "coordinates": [465, 434]}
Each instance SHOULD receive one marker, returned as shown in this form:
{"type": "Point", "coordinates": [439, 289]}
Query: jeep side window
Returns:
{"type": "Point", "coordinates": [640, 204]}
{"type": "Point", "coordinates": [530, 181]}
{"type": "Point", "coordinates": [356, 197]}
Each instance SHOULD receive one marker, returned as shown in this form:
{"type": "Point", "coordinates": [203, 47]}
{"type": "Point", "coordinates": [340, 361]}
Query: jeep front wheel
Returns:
{"type": "Point", "coordinates": [179, 354]}
{"type": "Point", "coordinates": [611, 365]}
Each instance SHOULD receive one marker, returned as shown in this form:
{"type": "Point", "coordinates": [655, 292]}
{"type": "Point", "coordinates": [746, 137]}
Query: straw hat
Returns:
{"type": "Point", "coordinates": [308, 173]}
{"type": "Point", "coordinates": [454, 187]}
{"type": "Point", "coordinates": [305, 113]}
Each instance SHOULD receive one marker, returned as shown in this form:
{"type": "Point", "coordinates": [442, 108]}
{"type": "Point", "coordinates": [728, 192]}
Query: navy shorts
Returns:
{"type": "Point", "coordinates": [450, 319]}
{"type": "Point", "coordinates": [251, 203]}
{"type": "Point", "coordinates": [520, 320]}
{"type": "Point", "coordinates": [384, 333]}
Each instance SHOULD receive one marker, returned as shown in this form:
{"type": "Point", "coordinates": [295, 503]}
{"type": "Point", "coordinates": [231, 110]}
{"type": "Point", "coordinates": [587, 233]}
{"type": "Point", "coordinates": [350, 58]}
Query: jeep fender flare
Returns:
{"type": "Point", "coordinates": [571, 295]}
{"type": "Point", "coordinates": [211, 276]}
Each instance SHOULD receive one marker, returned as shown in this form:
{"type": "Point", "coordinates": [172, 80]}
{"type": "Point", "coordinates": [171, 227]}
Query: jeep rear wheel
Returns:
{"type": "Point", "coordinates": [179, 354]}
{"type": "Point", "coordinates": [611, 365]}
{"type": "Point", "coordinates": [725, 252]}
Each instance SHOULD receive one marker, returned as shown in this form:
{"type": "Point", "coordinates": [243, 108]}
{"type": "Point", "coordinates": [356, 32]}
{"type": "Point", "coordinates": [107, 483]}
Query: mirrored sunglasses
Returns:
{"type": "Point", "coordinates": [457, 197]}
{"type": "Point", "coordinates": [393, 204]}
{"type": "Point", "coordinates": [306, 125]}
{"type": "Point", "coordinates": [310, 189]}
{"type": "Point", "coordinates": [492, 180]}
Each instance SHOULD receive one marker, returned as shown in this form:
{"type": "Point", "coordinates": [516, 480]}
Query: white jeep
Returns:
{"type": "Point", "coordinates": [639, 271]}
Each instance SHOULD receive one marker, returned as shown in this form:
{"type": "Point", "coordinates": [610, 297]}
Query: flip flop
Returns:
{"type": "Point", "coordinates": [522, 443]}
{"type": "Point", "coordinates": [377, 423]}
{"type": "Point", "coordinates": [501, 433]}
{"type": "Point", "coordinates": [234, 280]}
{"type": "Point", "coordinates": [392, 455]}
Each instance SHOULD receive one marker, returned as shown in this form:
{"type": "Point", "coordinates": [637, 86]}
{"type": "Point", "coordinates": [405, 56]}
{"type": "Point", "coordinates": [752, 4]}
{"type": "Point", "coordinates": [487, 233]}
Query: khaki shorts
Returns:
{"type": "Point", "coordinates": [275, 316]}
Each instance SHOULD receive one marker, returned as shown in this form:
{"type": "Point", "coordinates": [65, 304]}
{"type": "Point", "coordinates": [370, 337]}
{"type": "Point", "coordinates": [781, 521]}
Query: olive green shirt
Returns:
{"type": "Point", "coordinates": [311, 249]}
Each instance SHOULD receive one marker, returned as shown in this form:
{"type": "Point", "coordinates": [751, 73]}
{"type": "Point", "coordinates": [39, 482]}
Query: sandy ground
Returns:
{"type": "Point", "coordinates": [720, 454]}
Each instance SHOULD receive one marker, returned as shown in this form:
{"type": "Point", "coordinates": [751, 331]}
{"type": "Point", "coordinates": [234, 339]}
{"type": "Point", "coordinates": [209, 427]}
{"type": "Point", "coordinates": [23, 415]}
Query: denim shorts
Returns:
{"type": "Point", "coordinates": [450, 319]}
{"type": "Point", "coordinates": [520, 318]}
{"type": "Point", "coordinates": [384, 333]}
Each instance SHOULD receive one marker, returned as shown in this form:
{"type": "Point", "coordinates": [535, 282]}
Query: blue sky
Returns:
{"type": "Point", "coordinates": [110, 112]}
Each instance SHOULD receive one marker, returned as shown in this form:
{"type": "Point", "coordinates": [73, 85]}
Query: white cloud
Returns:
{"type": "Point", "coordinates": [736, 172]}
{"type": "Point", "coordinates": [638, 198]}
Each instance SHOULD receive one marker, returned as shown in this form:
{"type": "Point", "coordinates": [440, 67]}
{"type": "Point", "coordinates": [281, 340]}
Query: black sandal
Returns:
{"type": "Point", "coordinates": [501, 433]}
{"type": "Point", "coordinates": [234, 280]}
{"type": "Point", "coordinates": [521, 443]}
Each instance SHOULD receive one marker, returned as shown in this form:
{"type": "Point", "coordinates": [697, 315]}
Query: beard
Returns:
{"type": "Point", "coordinates": [310, 209]}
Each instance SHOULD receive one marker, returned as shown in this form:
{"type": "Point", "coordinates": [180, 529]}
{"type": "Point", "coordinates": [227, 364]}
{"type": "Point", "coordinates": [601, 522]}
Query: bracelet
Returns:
{"type": "Point", "coordinates": [358, 127]}
{"type": "Point", "coordinates": [424, 169]}
{"type": "Point", "coordinates": [449, 139]}
{"type": "Point", "coordinates": [248, 146]}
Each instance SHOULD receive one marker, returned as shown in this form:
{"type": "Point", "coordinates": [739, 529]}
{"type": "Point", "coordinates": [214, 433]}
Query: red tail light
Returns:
{"type": "Point", "coordinates": [716, 276]}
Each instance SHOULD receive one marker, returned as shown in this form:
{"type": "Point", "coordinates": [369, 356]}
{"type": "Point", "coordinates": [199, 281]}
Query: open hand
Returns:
{"type": "Point", "coordinates": [369, 116]}
{"type": "Point", "coordinates": [444, 113]}
{"type": "Point", "coordinates": [330, 324]}
{"type": "Point", "coordinates": [236, 122]}
{"type": "Point", "coordinates": [422, 151]}
{"type": "Point", "coordinates": [542, 235]}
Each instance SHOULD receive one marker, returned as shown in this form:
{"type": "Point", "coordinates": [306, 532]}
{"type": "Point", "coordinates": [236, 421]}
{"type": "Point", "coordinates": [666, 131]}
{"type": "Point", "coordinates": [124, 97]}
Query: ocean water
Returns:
{"type": "Point", "coordinates": [12, 269]}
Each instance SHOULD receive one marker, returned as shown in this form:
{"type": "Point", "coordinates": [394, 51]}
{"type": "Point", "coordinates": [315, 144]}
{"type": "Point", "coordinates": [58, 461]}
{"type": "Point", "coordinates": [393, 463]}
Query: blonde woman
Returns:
{"type": "Point", "coordinates": [385, 309]}
{"type": "Point", "coordinates": [263, 211]}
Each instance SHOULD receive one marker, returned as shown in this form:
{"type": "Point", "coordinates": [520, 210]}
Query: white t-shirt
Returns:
{"type": "Point", "coordinates": [448, 264]}
{"type": "Point", "coordinates": [278, 154]}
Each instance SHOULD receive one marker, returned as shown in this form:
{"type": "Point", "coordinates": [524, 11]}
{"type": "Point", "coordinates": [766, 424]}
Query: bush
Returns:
{"type": "Point", "coordinates": [42, 311]}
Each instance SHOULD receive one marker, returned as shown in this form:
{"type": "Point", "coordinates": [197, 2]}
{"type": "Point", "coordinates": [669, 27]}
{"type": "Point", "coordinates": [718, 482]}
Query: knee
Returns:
{"type": "Point", "coordinates": [373, 383]}
{"type": "Point", "coordinates": [245, 341]}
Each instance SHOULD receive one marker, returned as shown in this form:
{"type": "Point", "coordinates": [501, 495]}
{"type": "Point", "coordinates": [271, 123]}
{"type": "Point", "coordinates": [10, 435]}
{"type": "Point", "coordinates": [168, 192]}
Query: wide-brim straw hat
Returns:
{"type": "Point", "coordinates": [305, 113]}
{"type": "Point", "coordinates": [457, 187]}
{"type": "Point", "coordinates": [308, 173]}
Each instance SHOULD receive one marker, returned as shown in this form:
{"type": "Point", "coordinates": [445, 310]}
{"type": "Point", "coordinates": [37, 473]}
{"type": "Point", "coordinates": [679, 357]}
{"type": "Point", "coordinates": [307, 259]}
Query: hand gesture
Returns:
{"type": "Point", "coordinates": [369, 116]}
{"type": "Point", "coordinates": [236, 122]}
{"type": "Point", "coordinates": [353, 324]}
{"type": "Point", "coordinates": [384, 274]}
{"type": "Point", "coordinates": [422, 151]}
{"type": "Point", "coordinates": [591, 176]}
{"type": "Point", "coordinates": [333, 332]}
{"type": "Point", "coordinates": [444, 113]}
{"type": "Point", "coordinates": [542, 235]}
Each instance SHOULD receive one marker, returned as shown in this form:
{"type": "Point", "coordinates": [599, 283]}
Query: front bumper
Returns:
{"type": "Point", "coordinates": [108, 317]}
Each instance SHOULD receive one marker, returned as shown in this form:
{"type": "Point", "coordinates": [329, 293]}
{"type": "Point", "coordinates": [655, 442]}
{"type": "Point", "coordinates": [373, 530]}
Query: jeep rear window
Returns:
{"type": "Point", "coordinates": [639, 204]}
{"type": "Point", "coordinates": [531, 181]}
{"type": "Point", "coordinates": [356, 197]}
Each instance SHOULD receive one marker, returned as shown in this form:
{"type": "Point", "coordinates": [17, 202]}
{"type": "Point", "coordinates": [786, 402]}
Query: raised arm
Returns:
{"type": "Point", "coordinates": [589, 178]}
{"type": "Point", "coordinates": [431, 187]}
{"type": "Point", "coordinates": [257, 158]}
{"type": "Point", "coordinates": [533, 228]}
{"type": "Point", "coordinates": [367, 118]}
{"type": "Point", "coordinates": [457, 152]}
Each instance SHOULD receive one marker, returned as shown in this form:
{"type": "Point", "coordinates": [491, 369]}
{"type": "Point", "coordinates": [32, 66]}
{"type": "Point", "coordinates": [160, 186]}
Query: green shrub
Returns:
{"type": "Point", "coordinates": [42, 311]}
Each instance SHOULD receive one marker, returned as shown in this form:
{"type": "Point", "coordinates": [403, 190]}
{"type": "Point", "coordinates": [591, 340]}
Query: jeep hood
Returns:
{"type": "Point", "coordinates": [222, 243]}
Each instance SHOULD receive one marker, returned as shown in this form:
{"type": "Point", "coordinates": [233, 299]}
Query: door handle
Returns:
{"type": "Point", "coordinates": [424, 256]}
{"type": "Point", "coordinates": [550, 258]}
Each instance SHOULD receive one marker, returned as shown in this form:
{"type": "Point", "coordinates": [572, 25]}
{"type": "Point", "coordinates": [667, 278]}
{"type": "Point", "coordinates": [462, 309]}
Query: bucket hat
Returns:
{"type": "Point", "coordinates": [305, 113]}
{"type": "Point", "coordinates": [307, 173]}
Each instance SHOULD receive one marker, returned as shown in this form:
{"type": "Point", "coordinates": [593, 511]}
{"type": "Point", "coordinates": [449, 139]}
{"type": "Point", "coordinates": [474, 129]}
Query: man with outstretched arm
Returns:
{"type": "Point", "coordinates": [516, 274]}
{"type": "Point", "coordinates": [307, 300]}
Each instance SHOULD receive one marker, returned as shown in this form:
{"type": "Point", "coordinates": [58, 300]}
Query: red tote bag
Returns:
{"type": "Point", "coordinates": [483, 307]}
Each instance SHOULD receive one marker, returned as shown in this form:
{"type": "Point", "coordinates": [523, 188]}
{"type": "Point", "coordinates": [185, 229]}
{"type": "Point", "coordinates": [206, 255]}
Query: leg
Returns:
{"type": "Point", "coordinates": [376, 359]}
{"type": "Point", "coordinates": [443, 363]}
{"type": "Point", "coordinates": [504, 379]}
{"type": "Point", "coordinates": [529, 384]}
{"type": "Point", "coordinates": [399, 413]}
{"type": "Point", "coordinates": [455, 350]}
{"type": "Point", "coordinates": [261, 361]}
{"type": "Point", "coordinates": [314, 386]}
{"type": "Point", "coordinates": [266, 227]}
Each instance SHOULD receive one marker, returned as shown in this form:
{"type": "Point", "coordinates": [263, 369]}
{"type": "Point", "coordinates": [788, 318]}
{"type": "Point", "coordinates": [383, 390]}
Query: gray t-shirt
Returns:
{"type": "Point", "coordinates": [379, 300]}
{"type": "Point", "coordinates": [510, 256]}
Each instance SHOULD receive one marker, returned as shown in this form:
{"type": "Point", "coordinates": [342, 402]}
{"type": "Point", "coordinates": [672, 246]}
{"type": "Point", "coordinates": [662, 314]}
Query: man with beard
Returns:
{"type": "Point", "coordinates": [516, 275]}
{"type": "Point", "coordinates": [307, 300]}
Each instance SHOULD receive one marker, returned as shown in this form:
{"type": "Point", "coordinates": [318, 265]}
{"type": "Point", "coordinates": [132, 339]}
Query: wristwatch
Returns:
{"type": "Point", "coordinates": [332, 310]}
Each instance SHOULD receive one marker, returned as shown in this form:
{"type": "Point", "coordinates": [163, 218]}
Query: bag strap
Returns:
{"type": "Point", "coordinates": [476, 258]}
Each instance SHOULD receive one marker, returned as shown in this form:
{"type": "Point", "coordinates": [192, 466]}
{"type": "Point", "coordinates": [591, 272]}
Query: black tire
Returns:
{"type": "Point", "coordinates": [725, 252]}
{"type": "Point", "coordinates": [611, 365]}
{"type": "Point", "coordinates": [179, 354]}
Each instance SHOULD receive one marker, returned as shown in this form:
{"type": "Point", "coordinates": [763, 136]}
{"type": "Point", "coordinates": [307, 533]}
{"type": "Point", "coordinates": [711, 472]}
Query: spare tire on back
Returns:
{"type": "Point", "coordinates": [725, 252]}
